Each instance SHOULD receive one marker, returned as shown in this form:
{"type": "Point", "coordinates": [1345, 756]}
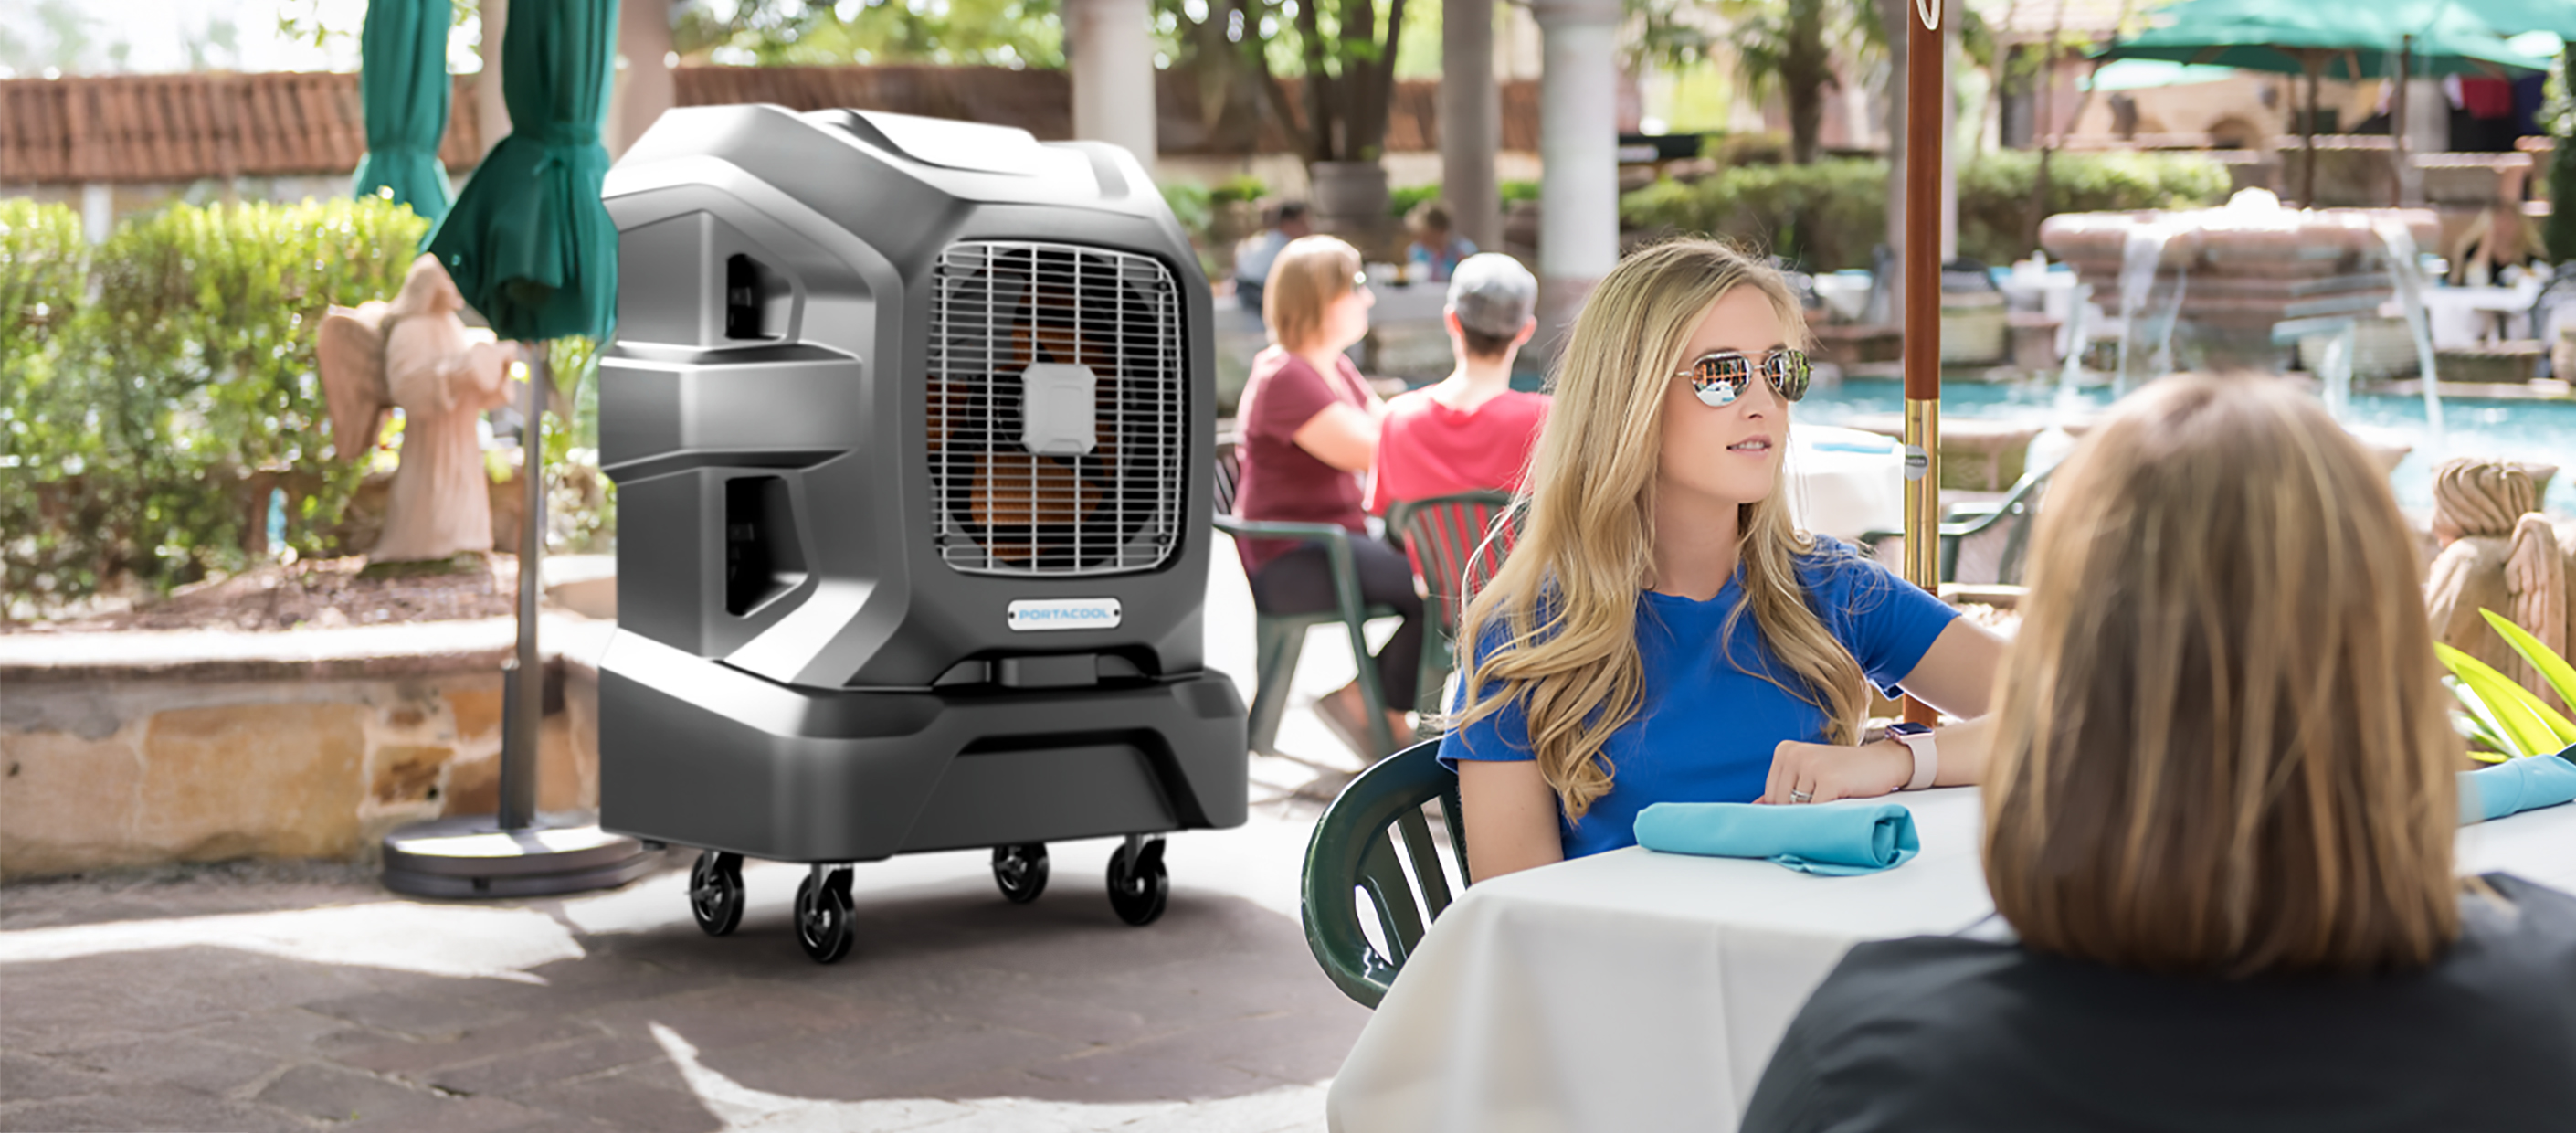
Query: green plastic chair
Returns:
{"type": "Point", "coordinates": [1362, 845]}
{"type": "Point", "coordinates": [2014, 513]}
{"type": "Point", "coordinates": [1443, 534]}
{"type": "Point", "coordinates": [1279, 639]}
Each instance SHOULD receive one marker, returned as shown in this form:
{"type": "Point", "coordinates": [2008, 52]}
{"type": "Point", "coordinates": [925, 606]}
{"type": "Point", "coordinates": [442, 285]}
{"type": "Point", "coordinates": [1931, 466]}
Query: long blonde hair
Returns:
{"type": "Point", "coordinates": [2223, 747]}
{"type": "Point", "coordinates": [1566, 597]}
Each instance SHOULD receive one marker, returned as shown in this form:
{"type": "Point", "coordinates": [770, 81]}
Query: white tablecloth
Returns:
{"type": "Point", "coordinates": [1637, 991]}
{"type": "Point", "coordinates": [1842, 482]}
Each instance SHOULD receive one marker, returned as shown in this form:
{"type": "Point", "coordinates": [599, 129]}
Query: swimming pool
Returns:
{"type": "Point", "coordinates": [2540, 431]}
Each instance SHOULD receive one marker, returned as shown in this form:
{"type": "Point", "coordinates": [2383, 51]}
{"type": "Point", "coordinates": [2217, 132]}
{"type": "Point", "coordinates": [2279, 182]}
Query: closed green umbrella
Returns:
{"type": "Point", "coordinates": [403, 84]}
{"type": "Point", "coordinates": [531, 246]}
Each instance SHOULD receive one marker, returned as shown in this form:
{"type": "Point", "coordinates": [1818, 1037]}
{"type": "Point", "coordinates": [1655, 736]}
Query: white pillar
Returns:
{"type": "Point", "coordinates": [491, 115]}
{"type": "Point", "coordinates": [98, 211]}
{"type": "Point", "coordinates": [1950, 17]}
{"type": "Point", "coordinates": [1112, 60]}
{"type": "Point", "coordinates": [1471, 121]}
{"type": "Point", "coordinates": [1578, 132]}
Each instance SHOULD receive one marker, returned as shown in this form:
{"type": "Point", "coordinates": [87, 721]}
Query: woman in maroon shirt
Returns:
{"type": "Point", "coordinates": [1309, 434]}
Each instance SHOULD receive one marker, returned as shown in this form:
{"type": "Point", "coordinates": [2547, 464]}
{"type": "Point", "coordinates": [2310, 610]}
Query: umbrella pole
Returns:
{"type": "Point", "coordinates": [1925, 91]}
{"type": "Point", "coordinates": [525, 702]}
{"type": "Point", "coordinates": [2397, 124]}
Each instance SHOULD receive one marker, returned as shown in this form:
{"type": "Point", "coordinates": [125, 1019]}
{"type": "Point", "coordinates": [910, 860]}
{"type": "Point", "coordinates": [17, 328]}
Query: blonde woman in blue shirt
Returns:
{"type": "Point", "coordinates": [1661, 632]}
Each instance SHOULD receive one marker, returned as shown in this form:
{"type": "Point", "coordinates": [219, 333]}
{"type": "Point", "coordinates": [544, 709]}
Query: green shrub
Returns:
{"type": "Point", "coordinates": [1519, 191]}
{"type": "Point", "coordinates": [1829, 215]}
{"type": "Point", "coordinates": [146, 431]}
{"type": "Point", "coordinates": [1244, 187]}
{"type": "Point", "coordinates": [1400, 202]}
{"type": "Point", "coordinates": [1995, 222]}
{"type": "Point", "coordinates": [1191, 204]}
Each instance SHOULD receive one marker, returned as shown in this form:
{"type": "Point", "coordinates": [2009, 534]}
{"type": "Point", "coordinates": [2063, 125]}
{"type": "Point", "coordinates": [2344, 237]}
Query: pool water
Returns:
{"type": "Point", "coordinates": [2539, 431]}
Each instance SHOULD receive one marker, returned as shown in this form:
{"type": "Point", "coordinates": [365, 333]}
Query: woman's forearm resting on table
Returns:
{"type": "Point", "coordinates": [1511, 816]}
{"type": "Point", "coordinates": [1955, 675]}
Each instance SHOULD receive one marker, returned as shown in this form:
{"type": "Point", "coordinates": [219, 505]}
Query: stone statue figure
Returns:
{"type": "Point", "coordinates": [417, 354]}
{"type": "Point", "coordinates": [2500, 553]}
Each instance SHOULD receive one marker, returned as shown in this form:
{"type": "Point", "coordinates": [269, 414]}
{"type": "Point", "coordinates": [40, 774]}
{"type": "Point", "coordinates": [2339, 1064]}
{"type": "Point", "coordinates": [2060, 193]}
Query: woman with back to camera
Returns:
{"type": "Point", "coordinates": [1310, 426]}
{"type": "Point", "coordinates": [1661, 632]}
{"type": "Point", "coordinates": [2219, 815]}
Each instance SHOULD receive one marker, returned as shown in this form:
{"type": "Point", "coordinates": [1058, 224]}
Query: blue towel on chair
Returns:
{"type": "Point", "coordinates": [1831, 839]}
{"type": "Point", "coordinates": [2517, 785]}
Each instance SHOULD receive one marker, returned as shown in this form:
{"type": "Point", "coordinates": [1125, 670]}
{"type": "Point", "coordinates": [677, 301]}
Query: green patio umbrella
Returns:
{"type": "Point", "coordinates": [402, 81]}
{"type": "Point", "coordinates": [532, 247]}
{"type": "Point", "coordinates": [2393, 38]}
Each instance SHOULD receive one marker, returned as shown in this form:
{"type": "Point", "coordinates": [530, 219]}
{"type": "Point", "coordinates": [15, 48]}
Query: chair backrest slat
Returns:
{"type": "Point", "coordinates": [1229, 473]}
{"type": "Point", "coordinates": [1427, 874]}
{"type": "Point", "coordinates": [1443, 534]}
{"type": "Point", "coordinates": [1398, 918]}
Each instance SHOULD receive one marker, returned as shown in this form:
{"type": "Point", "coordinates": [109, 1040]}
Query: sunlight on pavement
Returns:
{"type": "Point", "coordinates": [437, 940]}
{"type": "Point", "coordinates": [742, 1108]}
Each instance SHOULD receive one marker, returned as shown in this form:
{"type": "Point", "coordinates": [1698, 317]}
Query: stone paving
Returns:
{"type": "Point", "coordinates": [306, 997]}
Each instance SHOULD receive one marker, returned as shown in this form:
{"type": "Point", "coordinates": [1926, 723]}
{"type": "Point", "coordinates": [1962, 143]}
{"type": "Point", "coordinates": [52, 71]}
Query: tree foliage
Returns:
{"type": "Point", "coordinates": [158, 386]}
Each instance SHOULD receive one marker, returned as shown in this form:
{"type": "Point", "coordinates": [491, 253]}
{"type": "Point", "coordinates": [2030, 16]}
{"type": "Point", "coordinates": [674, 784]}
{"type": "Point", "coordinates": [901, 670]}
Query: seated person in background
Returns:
{"type": "Point", "coordinates": [1472, 431]}
{"type": "Point", "coordinates": [1660, 632]}
{"type": "Point", "coordinates": [2220, 816]}
{"type": "Point", "coordinates": [1436, 251]}
{"type": "Point", "coordinates": [1253, 257]}
{"type": "Point", "coordinates": [1309, 425]}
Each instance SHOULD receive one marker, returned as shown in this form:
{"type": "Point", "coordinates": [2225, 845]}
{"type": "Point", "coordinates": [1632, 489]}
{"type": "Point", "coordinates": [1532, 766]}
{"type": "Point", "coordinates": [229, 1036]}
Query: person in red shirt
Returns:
{"type": "Point", "coordinates": [1472, 431]}
{"type": "Point", "coordinates": [1309, 425]}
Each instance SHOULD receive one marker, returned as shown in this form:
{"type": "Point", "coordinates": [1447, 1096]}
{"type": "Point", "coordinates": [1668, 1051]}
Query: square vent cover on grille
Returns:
{"type": "Point", "coordinates": [1011, 317]}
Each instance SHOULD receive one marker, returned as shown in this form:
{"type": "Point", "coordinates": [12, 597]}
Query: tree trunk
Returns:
{"type": "Point", "coordinates": [1805, 69]}
{"type": "Point", "coordinates": [1319, 88]}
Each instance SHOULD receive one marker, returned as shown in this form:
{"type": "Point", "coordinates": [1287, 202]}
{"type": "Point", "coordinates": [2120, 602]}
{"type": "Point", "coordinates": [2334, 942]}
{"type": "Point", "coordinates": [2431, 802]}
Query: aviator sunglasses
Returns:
{"type": "Point", "coordinates": [1719, 376]}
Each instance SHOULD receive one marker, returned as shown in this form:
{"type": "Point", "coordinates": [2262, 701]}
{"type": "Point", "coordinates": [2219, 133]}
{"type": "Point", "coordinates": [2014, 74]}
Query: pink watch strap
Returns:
{"type": "Point", "coordinates": [1927, 760]}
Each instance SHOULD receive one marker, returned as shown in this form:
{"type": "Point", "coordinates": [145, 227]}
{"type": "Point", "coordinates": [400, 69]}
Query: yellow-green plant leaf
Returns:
{"type": "Point", "coordinates": [2475, 723]}
{"type": "Point", "coordinates": [2516, 711]}
{"type": "Point", "coordinates": [2553, 668]}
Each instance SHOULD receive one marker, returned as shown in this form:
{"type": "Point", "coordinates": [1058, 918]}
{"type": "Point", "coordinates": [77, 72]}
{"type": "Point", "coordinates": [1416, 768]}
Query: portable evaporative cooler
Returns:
{"type": "Point", "coordinates": [911, 427]}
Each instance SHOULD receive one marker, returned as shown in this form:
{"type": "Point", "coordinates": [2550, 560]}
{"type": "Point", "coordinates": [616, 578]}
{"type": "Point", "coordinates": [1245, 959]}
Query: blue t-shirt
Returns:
{"type": "Point", "coordinates": [1705, 729]}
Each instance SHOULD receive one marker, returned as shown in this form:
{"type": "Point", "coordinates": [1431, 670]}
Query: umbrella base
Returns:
{"type": "Point", "coordinates": [472, 856]}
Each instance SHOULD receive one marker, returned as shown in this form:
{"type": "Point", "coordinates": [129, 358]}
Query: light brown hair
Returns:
{"type": "Point", "coordinates": [1566, 597]}
{"type": "Point", "coordinates": [1310, 273]}
{"type": "Point", "coordinates": [2222, 746]}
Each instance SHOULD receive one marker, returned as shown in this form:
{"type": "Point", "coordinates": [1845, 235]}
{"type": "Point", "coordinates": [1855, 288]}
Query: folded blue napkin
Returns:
{"type": "Point", "coordinates": [1836, 840]}
{"type": "Point", "coordinates": [2516, 785]}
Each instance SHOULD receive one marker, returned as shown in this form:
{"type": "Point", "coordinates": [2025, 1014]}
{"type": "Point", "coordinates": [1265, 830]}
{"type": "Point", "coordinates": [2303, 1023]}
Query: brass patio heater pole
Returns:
{"type": "Point", "coordinates": [1924, 90]}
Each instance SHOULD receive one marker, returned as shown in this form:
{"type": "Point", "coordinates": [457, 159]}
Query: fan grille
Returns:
{"type": "Point", "coordinates": [1003, 305]}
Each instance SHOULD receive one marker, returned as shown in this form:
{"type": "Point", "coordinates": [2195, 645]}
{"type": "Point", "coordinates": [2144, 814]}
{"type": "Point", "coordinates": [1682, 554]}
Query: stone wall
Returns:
{"type": "Point", "coordinates": [109, 765]}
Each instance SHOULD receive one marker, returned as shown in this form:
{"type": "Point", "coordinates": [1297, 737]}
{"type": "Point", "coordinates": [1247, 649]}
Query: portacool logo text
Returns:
{"type": "Point", "coordinates": [1064, 613]}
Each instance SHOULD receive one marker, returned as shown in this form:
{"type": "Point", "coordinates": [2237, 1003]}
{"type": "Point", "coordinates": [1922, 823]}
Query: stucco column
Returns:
{"type": "Point", "coordinates": [1578, 140]}
{"type": "Point", "coordinates": [644, 38]}
{"type": "Point", "coordinates": [1471, 122]}
{"type": "Point", "coordinates": [491, 115]}
{"type": "Point", "coordinates": [1112, 60]}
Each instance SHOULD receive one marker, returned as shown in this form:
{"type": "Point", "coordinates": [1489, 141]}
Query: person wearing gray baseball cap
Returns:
{"type": "Point", "coordinates": [1471, 431]}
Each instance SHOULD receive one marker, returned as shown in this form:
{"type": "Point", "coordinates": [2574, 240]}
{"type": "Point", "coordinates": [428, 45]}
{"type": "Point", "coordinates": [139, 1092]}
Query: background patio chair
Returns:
{"type": "Point", "coordinates": [1374, 840]}
{"type": "Point", "coordinates": [1442, 534]}
{"type": "Point", "coordinates": [2003, 526]}
{"type": "Point", "coordinates": [1278, 639]}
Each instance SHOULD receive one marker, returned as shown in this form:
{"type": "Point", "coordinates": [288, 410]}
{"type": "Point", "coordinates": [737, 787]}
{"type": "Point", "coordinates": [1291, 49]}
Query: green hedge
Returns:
{"type": "Point", "coordinates": [158, 385]}
{"type": "Point", "coordinates": [1830, 214]}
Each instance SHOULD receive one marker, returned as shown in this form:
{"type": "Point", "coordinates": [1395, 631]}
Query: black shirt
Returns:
{"type": "Point", "coordinates": [1943, 1033]}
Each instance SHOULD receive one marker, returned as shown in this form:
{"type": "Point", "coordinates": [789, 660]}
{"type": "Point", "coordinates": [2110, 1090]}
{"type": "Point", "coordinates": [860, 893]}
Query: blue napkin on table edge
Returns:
{"type": "Point", "coordinates": [2517, 785]}
{"type": "Point", "coordinates": [1830, 840]}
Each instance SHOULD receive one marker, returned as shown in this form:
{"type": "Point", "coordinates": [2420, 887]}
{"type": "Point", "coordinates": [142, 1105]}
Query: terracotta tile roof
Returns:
{"type": "Point", "coordinates": [128, 128]}
{"type": "Point", "coordinates": [160, 128]}
{"type": "Point", "coordinates": [1041, 102]}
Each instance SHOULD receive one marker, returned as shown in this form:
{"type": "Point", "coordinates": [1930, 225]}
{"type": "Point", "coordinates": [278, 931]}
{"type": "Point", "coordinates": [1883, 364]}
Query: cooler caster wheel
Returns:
{"type": "Point", "coordinates": [823, 911]}
{"type": "Point", "coordinates": [1021, 871]}
{"type": "Point", "coordinates": [1138, 884]}
{"type": "Point", "coordinates": [715, 892]}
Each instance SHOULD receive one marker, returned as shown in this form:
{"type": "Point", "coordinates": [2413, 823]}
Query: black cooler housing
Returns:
{"type": "Point", "coordinates": [911, 425]}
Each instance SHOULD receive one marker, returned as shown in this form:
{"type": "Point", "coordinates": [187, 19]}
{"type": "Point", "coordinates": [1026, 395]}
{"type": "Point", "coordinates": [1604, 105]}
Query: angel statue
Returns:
{"type": "Point", "coordinates": [416, 353]}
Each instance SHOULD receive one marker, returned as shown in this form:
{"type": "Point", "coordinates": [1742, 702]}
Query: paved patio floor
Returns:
{"type": "Point", "coordinates": [306, 997]}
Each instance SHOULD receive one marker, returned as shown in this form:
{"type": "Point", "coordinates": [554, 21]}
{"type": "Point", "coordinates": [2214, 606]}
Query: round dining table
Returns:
{"type": "Point", "coordinates": [1640, 991]}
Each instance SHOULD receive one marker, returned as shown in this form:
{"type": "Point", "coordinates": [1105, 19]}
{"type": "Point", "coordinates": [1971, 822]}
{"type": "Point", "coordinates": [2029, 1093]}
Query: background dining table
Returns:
{"type": "Point", "coordinates": [1641, 991]}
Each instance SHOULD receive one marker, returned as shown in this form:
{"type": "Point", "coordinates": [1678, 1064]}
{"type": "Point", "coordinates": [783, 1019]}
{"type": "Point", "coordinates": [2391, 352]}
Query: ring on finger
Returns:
{"type": "Point", "coordinates": [1801, 797]}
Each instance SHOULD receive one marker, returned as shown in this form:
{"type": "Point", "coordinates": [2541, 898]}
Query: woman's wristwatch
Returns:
{"type": "Point", "coordinates": [1927, 760]}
